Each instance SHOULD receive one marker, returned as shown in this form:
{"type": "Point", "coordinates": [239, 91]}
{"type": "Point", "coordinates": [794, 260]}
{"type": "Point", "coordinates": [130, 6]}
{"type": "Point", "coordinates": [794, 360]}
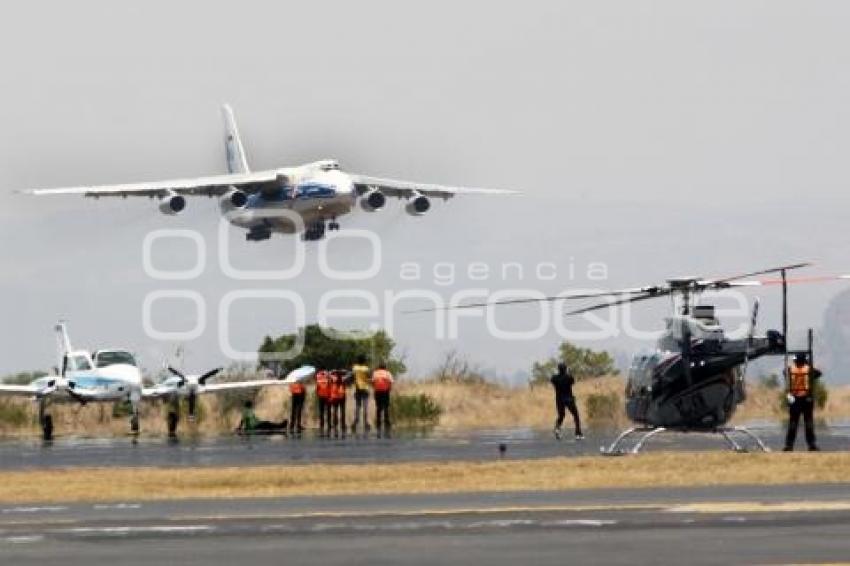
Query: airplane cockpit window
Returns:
{"type": "Point", "coordinates": [114, 357]}
{"type": "Point", "coordinates": [329, 166]}
{"type": "Point", "coordinates": [78, 363]}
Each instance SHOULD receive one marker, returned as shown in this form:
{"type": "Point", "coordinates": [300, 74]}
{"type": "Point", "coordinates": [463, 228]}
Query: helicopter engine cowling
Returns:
{"type": "Point", "coordinates": [234, 199]}
{"type": "Point", "coordinates": [373, 200]}
{"type": "Point", "coordinates": [419, 204]}
{"type": "Point", "coordinates": [172, 203]}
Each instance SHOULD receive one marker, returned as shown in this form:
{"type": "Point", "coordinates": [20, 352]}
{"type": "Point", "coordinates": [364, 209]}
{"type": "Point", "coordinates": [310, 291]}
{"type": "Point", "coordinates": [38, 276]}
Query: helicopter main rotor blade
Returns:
{"type": "Point", "coordinates": [653, 295]}
{"type": "Point", "coordinates": [797, 280]}
{"type": "Point", "coordinates": [760, 272]}
{"type": "Point", "coordinates": [567, 297]}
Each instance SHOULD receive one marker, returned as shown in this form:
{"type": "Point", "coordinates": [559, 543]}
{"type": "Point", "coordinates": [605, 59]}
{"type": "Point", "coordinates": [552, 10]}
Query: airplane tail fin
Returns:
{"type": "Point", "coordinates": [235, 153]}
{"type": "Point", "coordinates": [63, 345]}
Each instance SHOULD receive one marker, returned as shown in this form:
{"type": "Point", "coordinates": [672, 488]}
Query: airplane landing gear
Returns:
{"type": "Point", "coordinates": [45, 420]}
{"type": "Point", "coordinates": [173, 417]}
{"type": "Point", "coordinates": [315, 231]}
{"type": "Point", "coordinates": [47, 427]}
{"type": "Point", "coordinates": [333, 225]}
{"type": "Point", "coordinates": [134, 418]}
{"type": "Point", "coordinates": [258, 233]}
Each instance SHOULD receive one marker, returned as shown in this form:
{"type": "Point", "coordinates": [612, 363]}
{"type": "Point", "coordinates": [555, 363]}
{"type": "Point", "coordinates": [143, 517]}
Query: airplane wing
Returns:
{"type": "Point", "coordinates": [236, 385]}
{"type": "Point", "coordinates": [157, 391]}
{"type": "Point", "coordinates": [20, 390]}
{"type": "Point", "coordinates": [396, 188]}
{"type": "Point", "coordinates": [208, 186]}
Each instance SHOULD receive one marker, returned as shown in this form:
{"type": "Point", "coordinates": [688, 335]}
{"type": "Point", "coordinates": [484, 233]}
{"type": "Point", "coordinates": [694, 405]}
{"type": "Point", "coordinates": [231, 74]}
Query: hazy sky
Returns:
{"type": "Point", "coordinates": [660, 138]}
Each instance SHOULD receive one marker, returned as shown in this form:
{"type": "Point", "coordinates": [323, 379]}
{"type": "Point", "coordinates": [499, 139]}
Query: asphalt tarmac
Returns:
{"type": "Point", "coordinates": [404, 446]}
{"type": "Point", "coordinates": [730, 525]}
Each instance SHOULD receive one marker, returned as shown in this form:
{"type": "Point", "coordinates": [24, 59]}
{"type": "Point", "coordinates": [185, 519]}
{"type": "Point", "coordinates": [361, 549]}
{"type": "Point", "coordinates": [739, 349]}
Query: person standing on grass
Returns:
{"type": "Point", "coordinates": [563, 382]}
{"type": "Point", "coordinates": [323, 398]}
{"type": "Point", "coordinates": [298, 393]}
{"type": "Point", "coordinates": [338, 401]}
{"type": "Point", "coordinates": [382, 384]}
{"type": "Point", "coordinates": [362, 382]}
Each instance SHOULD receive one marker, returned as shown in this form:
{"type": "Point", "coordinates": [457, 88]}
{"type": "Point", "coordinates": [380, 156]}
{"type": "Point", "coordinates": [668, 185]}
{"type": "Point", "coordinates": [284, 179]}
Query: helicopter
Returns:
{"type": "Point", "coordinates": [693, 380]}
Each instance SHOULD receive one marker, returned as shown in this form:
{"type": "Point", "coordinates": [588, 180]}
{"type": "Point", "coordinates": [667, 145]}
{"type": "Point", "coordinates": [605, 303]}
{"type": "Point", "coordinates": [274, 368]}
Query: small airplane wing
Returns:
{"type": "Point", "coordinates": [208, 186]}
{"type": "Point", "coordinates": [396, 188]}
{"type": "Point", "coordinates": [300, 374]}
{"type": "Point", "coordinates": [236, 385]}
{"type": "Point", "coordinates": [157, 391]}
{"type": "Point", "coordinates": [19, 390]}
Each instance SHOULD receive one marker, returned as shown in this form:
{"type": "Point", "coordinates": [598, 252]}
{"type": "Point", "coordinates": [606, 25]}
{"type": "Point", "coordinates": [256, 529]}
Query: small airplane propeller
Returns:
{"type": "Point", "coordinates": [193, 382]}
{"type": "Point", "coordinates": [61, 382]}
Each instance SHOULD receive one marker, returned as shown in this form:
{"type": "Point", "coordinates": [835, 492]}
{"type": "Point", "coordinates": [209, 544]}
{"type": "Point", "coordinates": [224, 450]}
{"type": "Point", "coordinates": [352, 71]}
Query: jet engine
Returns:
{"type": "Point", "coordinates": [373, 200]}
{"type": "Point", "coordinates": [418, 205]}
{"type": "Point", "coordinates": [233, 200]}
{"type": "Point", "coordinates": [172, 203]}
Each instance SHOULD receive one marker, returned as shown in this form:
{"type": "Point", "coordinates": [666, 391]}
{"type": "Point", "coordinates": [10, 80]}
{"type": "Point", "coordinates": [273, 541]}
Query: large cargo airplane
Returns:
{"type": "Point", "coordinates": [306, 198]}
{"type": "Point", "coordinates": [113, 376]}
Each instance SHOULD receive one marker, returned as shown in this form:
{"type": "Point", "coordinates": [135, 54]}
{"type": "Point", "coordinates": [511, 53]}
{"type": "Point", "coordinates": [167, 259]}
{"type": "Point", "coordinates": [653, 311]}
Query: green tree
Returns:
{"type": "Point", "coordinates": [329, 349]}
{"type": "Point", "coordinates": [584, 363]}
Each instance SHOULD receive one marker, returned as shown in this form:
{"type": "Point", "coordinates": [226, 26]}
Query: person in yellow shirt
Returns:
{"type": "Point", "coordinates": [362, 382]}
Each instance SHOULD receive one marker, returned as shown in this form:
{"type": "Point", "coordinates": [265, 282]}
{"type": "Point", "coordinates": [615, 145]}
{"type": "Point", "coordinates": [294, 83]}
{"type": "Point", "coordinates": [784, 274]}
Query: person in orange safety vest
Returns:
{"type": "Point", "coordinates": [382, 384]}
{"type": "Point", "coordinates": [323, 395]}
{"type": "Point", "coordinates": [296, 408]}
{"type": "Point", "coordinates": [337, 400]}
{"type": "Point", "coordinates": [801, 377]}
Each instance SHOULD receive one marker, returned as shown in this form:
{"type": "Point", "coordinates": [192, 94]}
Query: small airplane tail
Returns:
{"type": "Point", "coordinates": [234, 151]}
{"type": "Point", "coordinates": [63, 345]}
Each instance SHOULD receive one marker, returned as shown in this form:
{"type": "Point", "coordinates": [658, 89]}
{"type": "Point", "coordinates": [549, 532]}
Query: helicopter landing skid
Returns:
{"type": "Point", "coordinates": [619, 446]}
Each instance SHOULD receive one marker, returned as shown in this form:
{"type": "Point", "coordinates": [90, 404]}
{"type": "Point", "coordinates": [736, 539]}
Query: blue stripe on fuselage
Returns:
{"type": "Point", "coordinates": [304, 191]}
{"type": "Point", "coordinates": [92, 382]}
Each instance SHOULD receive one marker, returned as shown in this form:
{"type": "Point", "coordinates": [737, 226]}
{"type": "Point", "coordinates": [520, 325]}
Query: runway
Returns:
{"type": "Point", "coordinates": [404, 446]}
{"type": "Point", "coordinates": [732, 525]}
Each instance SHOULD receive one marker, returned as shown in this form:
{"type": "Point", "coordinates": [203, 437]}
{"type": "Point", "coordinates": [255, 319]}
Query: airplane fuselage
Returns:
{"type": "Point", "coordinates": [91, 378]}
{"type": "Point", "coordinates": [306, 195]}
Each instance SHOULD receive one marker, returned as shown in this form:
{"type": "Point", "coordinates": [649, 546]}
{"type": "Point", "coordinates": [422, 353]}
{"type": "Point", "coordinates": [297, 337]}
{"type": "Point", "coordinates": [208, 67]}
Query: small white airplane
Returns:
{"type": "Point", "coordinates": [307, 197]}
{"type": "Point", "coordinates": [113, 376]}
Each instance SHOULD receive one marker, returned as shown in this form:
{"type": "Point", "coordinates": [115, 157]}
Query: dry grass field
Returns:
{"type": "Point", "coordinates": [647, 470]}
{"type": "Point", "coordinates": [464, 406]}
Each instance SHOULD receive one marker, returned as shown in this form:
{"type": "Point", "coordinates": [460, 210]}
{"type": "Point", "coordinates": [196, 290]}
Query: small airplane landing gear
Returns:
{"type": "Point", "coordinates": [134, 419]}
{"type": "Point", "coordinates": [333, 225]}
{"type": "Point", "coordinates": [619, 446]}
{"type": "Point", "coordinates": [173, 417]}
{"type": "Point", "coordinates": [47, 427]}
{"type": "Point", "coordinates": [45, 420]}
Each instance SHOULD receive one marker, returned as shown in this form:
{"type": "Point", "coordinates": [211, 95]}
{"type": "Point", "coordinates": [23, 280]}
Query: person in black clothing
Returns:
{"type": "Point", "coordinates": [564, 400]}
{"type": "Point", "coordinates": [801, 386]}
